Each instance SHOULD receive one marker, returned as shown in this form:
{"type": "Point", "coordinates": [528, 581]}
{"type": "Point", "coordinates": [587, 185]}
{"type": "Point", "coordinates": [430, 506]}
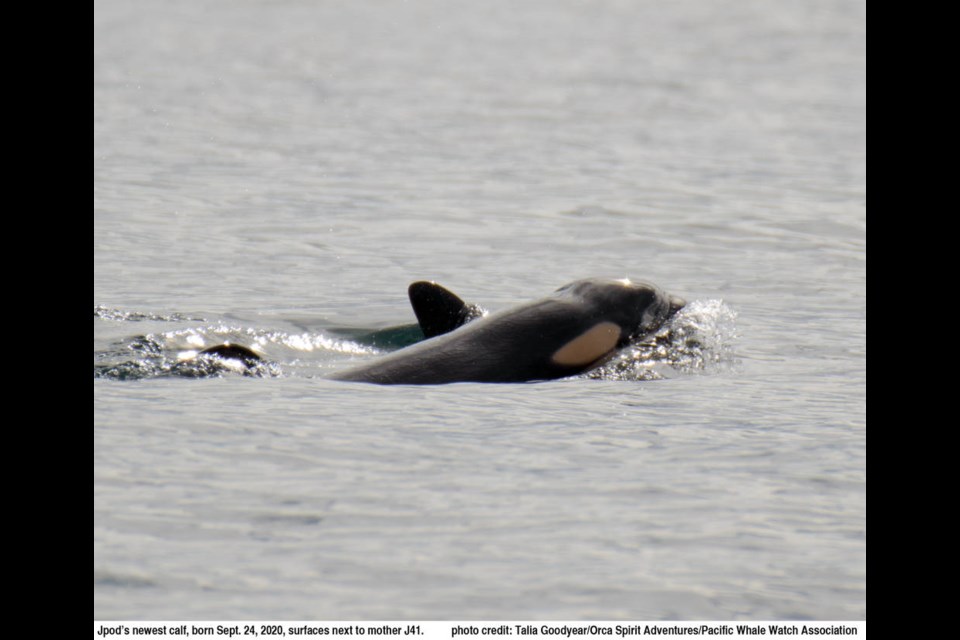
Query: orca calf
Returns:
{"type": "Point", "coordinates": [577, 328]}
{"type": "Point", "coordinates": [229, 351]}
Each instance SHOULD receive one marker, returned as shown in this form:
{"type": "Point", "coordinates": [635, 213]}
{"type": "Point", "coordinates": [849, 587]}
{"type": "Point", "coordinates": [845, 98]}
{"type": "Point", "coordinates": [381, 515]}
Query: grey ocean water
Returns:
{"type": "Point", "coordinates": [273, 170]}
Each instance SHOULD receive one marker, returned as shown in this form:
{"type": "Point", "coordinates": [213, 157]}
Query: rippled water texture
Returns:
{"type": "Point", "coordinates": [275, 174]}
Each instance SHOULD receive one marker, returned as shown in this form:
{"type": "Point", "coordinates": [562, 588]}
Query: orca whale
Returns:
{"type": "Point", "coordinates": [232, 352]}
{"type": "Point", "coordinates": [577, 328]}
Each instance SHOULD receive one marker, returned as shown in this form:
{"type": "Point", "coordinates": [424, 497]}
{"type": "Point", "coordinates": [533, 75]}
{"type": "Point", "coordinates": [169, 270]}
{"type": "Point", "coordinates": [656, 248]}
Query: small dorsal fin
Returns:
{"type": "Point", "coordinates": [438, 310]}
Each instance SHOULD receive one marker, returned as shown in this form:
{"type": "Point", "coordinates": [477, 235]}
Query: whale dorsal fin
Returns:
{"type": "Point", "coordinates": [438, 310]}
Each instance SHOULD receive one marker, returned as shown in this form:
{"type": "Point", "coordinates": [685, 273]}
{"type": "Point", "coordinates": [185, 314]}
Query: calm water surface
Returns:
{"type": "Point", "coordinates": [275, 170]}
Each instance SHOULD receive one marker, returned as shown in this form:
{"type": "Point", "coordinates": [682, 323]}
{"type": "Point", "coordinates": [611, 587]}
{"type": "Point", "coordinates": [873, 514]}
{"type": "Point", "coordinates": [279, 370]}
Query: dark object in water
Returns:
{"type": "Point", "coordinates": [232, 352]}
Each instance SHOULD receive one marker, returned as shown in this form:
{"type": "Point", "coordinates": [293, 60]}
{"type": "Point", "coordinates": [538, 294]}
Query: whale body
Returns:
{"type": "Point", "coordinates": [577, 328]}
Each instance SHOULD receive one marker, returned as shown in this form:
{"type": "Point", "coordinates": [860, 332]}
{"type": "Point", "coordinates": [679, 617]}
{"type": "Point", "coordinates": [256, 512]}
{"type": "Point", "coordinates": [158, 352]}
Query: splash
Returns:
{"type": "Point", "coordinates": [106, 313]}
{"type": "Point", "coordinates": [177, 353]}
{"type": "Point", "coordinates": [698, 339]}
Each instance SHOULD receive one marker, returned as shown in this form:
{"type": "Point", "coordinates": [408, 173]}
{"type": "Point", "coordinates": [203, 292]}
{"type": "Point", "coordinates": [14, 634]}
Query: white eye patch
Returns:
{"type": "Point", "coordinates": [589, 346]}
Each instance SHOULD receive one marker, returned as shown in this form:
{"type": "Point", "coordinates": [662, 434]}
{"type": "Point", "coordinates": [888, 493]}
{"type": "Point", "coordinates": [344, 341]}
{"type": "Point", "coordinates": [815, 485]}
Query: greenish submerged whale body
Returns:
{"type": "Point", "coordinates": [577, 328]}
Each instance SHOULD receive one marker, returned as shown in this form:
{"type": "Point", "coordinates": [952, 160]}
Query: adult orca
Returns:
{"type": "Point", "coordinates": [577, 328]}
